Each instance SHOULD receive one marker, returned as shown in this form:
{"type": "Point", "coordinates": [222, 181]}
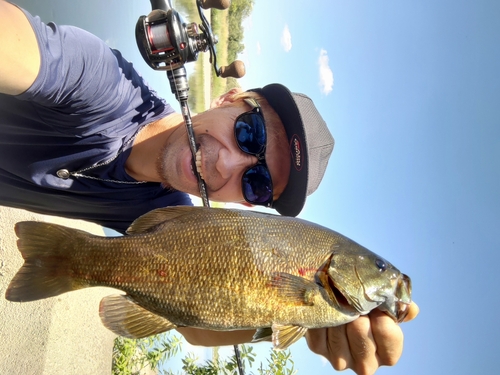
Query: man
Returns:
{"type": "Point", "coordinates": [82, 136]}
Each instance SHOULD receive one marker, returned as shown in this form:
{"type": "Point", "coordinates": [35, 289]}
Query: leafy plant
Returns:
{"type": "Point", "coordinates": [132, 357]}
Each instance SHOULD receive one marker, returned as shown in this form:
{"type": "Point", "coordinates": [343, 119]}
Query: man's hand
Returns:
{"type": "Point", "coordinates": [364, 345]}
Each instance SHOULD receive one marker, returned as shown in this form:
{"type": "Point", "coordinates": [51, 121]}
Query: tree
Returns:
{"type": "Point", "coordinates": [238, 11]}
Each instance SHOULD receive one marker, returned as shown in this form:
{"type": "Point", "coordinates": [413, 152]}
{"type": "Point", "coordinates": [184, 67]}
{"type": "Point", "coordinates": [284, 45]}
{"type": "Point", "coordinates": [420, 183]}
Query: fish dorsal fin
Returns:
{"type": "Point", "coordinates": [294, 289]}
{"type": "Point", "coordinates": [285, 335]}
{"type": "Point", "coordinates": [153, 218]}
{"type": "Point", "coordinates": [122, 315]}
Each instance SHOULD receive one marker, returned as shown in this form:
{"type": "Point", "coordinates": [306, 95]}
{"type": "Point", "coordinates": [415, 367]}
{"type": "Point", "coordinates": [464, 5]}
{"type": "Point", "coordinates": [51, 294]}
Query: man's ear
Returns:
{"type": "Point", "coordinates": [228, 97]}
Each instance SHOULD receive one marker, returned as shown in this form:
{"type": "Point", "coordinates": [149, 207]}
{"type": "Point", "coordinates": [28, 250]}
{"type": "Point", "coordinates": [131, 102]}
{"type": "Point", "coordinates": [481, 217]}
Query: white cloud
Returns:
{"type": "Point", "coordinates": [286, 39]}
{"type": "Point", "coordinates": [325, 73]}
{"type": "Point", "coordinates": [259, 48]}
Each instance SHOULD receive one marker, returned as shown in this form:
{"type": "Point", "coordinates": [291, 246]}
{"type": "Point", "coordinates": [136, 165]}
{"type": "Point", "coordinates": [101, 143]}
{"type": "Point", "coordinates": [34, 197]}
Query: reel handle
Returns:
{"type": "Point", "coordinates": [236, 69]}
{"type": "Point", "coordinates": [217, 4]}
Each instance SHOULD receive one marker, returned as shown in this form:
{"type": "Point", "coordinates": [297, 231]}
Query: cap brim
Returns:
{"type": "Point", "coordinates": [292, 199]}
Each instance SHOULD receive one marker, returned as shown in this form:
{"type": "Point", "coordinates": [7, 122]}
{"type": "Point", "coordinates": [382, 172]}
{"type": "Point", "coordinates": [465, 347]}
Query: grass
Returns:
{"type": "Point", "coordinates": [197, 80]}
{"type": "Point", "coordinates": [220, 28]}
{"type": "Point", "coordinates": [196, 99]}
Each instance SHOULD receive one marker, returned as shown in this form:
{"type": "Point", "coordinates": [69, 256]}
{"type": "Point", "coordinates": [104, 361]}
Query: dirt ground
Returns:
{"type": "Point", "coordinates": [59, 335]}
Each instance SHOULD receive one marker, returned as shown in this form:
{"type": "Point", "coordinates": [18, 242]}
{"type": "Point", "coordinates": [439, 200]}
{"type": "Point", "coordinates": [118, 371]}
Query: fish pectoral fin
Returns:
{"type": "Point", "coordinates": [294, 289]}
{"type": "Point", "coordinates": [122, 315]}
{"type": "Point", "coordinates": [285, 335]}
{"type": "Point", "coordinates": [263, 334]}
{"type": "Point", "coordinates": [282, 336]}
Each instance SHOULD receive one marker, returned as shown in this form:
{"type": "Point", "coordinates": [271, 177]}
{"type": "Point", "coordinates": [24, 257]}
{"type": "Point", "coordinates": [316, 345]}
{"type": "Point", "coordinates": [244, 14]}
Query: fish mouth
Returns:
{"type": "Point", "coordinates": [403, 298]}
{"type": "Point", "coordinates": [401, 311]}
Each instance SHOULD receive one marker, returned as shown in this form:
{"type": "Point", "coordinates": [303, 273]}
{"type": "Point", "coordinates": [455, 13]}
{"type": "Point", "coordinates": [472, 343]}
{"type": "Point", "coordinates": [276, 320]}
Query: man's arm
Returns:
{"type": "Point", "coordinates": [203, 337]}
{"type": "Point", "coordinates": [19, 54]}
{"type": "Point", "coordinates": [364, 345]}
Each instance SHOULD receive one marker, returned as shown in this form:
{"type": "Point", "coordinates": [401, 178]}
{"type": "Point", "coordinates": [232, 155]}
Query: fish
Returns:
{"type": "Point", "coordinates": [213, 268]}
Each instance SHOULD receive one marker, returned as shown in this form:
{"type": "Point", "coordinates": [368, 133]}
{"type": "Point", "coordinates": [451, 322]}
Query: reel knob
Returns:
{"type": "Point", "coordinates": [236, 69]}
{"type": "Point", "coordinates": [217, 4]}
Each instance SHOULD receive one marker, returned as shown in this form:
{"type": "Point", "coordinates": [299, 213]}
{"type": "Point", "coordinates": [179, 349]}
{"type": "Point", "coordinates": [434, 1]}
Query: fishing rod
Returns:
{"type": "Point", "coordinates": [167, 43]}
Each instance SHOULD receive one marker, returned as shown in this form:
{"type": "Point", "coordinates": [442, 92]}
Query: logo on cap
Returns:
{"type": "Point", "coordinates": [296, 152]}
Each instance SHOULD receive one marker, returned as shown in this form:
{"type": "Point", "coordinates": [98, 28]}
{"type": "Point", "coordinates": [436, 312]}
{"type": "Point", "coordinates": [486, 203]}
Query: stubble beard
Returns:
{"type": "Point", "coordinates": [162, 168]}
{"type": "Point", "coordinates": [168, 179]}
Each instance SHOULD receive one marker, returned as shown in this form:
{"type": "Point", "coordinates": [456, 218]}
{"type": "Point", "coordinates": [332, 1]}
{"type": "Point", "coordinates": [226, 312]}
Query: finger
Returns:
{"type": "Point", "coordinates": [362, 346]}
{"type": "Point", "coordinates": [316, 340]}
{"type": "Point", "coordinates": [388, 338]}
{"type": "Point", "coordinates": [413, 311]}
{"type": "Point", "coordinates": [332, 344]}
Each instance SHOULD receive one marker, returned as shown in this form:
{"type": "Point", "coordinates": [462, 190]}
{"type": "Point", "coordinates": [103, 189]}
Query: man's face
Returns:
{"type": "Point", "coordinates": [222, 161]}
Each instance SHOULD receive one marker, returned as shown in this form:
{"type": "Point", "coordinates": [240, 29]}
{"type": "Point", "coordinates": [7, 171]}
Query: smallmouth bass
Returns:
{"type": "Point", "coordinates": [217, 269]}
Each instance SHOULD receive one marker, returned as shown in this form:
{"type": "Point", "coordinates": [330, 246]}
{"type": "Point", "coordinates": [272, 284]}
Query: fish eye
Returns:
{"type": "Point", "coordinates": [381, 264]}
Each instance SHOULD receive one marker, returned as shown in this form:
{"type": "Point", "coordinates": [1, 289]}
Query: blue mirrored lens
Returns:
{"type": "Point", "coordinates": [257, 185]}
{"type": "Point", "coordinates": [250, 133]}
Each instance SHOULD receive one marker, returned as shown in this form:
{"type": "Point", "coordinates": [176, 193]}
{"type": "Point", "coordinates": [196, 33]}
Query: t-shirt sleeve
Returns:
{"type": "Point", "coordinates": [83, 78]}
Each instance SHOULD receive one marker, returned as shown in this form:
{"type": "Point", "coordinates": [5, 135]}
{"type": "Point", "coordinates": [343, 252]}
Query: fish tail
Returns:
{"type": "Point", "coordinates": [46, 249]}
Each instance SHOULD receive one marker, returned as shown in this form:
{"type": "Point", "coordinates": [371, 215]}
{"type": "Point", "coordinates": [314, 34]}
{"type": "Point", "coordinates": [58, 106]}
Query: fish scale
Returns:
{"type": "Point", "coordinates": [212, 268]}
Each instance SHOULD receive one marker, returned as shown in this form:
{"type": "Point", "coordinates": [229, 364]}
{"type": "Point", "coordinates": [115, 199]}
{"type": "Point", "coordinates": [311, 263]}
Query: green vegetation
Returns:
{"type": "Point", "coordinates": [227, 26]}
{"type": "Point", "coordinates": [238, 11]}
{"type": "Point", "coordinates": [219, 22]}
{"type": "Point", "coordinates": [134, 357]}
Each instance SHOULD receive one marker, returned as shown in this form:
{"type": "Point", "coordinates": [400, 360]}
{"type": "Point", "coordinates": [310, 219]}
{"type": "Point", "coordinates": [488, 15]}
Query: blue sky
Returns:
{"type": "Point", "coordinates": [410, 92]}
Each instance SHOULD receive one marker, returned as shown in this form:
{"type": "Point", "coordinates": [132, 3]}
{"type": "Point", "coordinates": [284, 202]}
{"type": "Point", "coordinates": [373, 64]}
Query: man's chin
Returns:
{"type": "Point", "coordinates": [165, 185]}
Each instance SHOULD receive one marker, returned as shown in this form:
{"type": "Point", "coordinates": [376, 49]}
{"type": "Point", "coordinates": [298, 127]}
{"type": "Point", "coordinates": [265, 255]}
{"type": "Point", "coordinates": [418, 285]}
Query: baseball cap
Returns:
{"type": "Point", "coordinates": [310, 145]}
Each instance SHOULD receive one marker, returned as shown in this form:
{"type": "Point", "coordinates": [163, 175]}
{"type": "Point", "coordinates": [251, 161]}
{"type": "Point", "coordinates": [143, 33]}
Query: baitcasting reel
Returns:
{"type": "Point", "coordinates": [166, 42]}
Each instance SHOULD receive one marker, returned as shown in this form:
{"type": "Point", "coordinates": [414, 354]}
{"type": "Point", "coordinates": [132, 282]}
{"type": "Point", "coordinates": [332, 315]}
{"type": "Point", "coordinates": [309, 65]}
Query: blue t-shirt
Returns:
{"type": "Point", "coordinates": [83, 110]}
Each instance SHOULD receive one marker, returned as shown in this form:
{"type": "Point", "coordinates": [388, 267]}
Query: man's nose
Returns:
{"type": "Point", "coordinates": [230, 162]}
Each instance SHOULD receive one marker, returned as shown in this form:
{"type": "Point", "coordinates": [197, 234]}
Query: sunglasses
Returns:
{"type": "Point", "coordinates": [251, 137]}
